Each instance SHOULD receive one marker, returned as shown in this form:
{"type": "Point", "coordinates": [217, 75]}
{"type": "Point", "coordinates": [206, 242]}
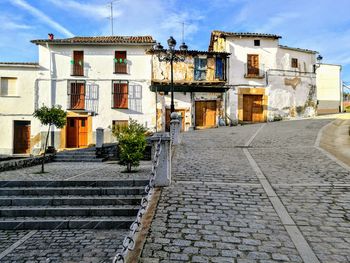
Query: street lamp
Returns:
{"type": "Point", "coordinates": [169, 55]}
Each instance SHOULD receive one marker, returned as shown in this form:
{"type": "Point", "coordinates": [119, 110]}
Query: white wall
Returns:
{"type": "Point", "coordinates": [328, 82]}
{"type": "Point", "coordinates": [19, 107]}
{"type": "Point", "coordinates": [98, 71]}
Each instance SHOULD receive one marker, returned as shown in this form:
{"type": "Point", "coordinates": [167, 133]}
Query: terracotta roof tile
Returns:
{"type": "Point", "coordinates": [299, 49]}
{"type": "Point", "coordinates": [244, 34]}
{"type": "Point", "coordinates": [100, 40]}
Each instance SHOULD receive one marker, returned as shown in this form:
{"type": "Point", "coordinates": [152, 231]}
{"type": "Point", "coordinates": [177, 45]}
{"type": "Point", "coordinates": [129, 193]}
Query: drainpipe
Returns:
{"type": "Point", "coordinates": [52, 95]}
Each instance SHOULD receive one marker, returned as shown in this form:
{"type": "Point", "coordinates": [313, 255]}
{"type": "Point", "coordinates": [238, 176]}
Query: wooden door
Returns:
{"type": "Point", "coordinates": [82, 132]}
{"type": "Point", "coordinates": [167, 119]}
{"type": "Point", "coordinates": [257, 109]}
{"type": "Point", "coordinates": [72, 133]}
{"type": "Point", "coordinates": [77, 132]}
{"type": "Point", "coordinates": [253, 108]}
{"type": "Point", "coordinates": [21, 138]}
{"type": "Point", "coordinates": [253, 64]}
{"type": "Point", "coordinates": [205, 113]}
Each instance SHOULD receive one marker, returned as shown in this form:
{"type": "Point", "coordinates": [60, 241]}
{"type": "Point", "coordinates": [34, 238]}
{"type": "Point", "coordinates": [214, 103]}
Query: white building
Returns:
{"type": "Point", "coordinates": [268, 81]}
{"type": "Point", "coordinates": [100, 81]}
{"type": "Point", "coordinates": [329, 88]}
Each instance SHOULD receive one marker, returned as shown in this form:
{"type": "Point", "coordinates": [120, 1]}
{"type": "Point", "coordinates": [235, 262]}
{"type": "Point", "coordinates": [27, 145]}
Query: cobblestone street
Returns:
{"type": "Point", "coordinates": [254, 193]}
{"type": "Point", "coordinates": [71, 245]}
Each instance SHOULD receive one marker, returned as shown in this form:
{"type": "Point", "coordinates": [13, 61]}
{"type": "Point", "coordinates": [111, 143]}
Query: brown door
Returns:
{"type": "Point", "coordinates": [21, 138]}
{"type": "Point", "coordinates": [77, 131]}
{"type": "Point", "coordinates": [253, 65]}
{"type": "Point", "coordinates": [167, 119]}
{"type": "Point", "coordinates": [253, 108]}
{"type": "Point", "coordinates": [205, 112]}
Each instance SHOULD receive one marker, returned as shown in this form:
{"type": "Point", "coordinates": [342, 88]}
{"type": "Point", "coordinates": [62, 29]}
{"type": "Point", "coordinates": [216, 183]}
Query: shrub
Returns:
{"type": "Point", "coordinates": [132, 143]}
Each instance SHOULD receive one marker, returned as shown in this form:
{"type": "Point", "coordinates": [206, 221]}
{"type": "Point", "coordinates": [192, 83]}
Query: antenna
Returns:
{"type": "Point", "coordinates": [111, 17]}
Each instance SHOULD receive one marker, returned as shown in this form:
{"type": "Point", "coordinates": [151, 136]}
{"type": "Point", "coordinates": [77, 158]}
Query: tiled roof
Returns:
{"type": "Point", "coordinates": [244, 34]}
{"type": "Point", "coordinates": [299, 49]}
{"type": "Point", "coordinates": [100, 40]}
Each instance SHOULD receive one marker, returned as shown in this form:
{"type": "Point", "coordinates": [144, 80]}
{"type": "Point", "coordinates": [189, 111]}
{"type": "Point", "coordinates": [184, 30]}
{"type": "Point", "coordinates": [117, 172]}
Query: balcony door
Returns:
{"type": "Point", "coordinates": [77, 132]}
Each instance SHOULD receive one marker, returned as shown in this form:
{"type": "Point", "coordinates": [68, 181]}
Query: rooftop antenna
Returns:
{"type": "Point", "coordinates": [111, 17]}
{"type": "Point", "coordinates": [183, 32]}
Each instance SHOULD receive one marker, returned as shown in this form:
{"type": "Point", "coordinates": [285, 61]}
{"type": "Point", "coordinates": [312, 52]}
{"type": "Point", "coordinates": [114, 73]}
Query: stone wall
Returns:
{"type": "Point", "coordinates": [25, 162]}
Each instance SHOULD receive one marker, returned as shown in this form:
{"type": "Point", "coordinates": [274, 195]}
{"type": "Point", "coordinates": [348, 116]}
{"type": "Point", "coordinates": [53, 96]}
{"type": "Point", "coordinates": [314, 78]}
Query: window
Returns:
{"type": "Point", "coordinates": [120, 62]}
{"type": "Point", "coordinates": [135, 98]}
{"type": "Point", "coordinates": [252, 65]}
{"type": "Point", "coordinates": [294, 63]}
{"type": "Point", "coordinates": [76, 95]}
{"type": "Point", "coordinates": [77, 63]}
{"type": "Point", "coordinates": [256, 42]}
{"type": "Point", "coordinates": [220, 68]}
{"type": "Point", "coordinates": [120, 94]}
{"type": "Point", "coordinates": [8, 86]}
{"type": "Point", "coordinates": [200, 68]}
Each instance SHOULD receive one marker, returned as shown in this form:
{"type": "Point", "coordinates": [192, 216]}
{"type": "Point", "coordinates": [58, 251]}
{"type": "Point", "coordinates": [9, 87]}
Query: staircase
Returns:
{"type": "Point", "coordinates": [79, 155]}
{"type": "Point", "coordinates": [69, 204]}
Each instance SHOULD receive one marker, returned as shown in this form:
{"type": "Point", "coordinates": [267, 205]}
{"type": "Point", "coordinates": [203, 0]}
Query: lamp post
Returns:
{"type": "Point", "coordinates": [169, 55]}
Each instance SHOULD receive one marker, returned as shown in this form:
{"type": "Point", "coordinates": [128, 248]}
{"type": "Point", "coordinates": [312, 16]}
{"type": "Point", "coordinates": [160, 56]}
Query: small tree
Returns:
{"type": "Point", "coordinates": [132, 143]}
{"type": "Point", "coordinates": [50, 116]}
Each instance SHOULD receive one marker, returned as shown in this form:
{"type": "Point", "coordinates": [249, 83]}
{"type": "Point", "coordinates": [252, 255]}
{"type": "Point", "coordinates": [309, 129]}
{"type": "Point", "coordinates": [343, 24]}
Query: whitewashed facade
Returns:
{"type": "Point", "coordinates": [93, 90]}
{"type": "Point", "coordinates": [279, 80]}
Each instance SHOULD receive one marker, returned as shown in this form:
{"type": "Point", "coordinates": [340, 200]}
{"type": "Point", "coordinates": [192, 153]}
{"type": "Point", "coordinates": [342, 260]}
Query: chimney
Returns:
{"type": "Point", "coordinates": [51, 36]}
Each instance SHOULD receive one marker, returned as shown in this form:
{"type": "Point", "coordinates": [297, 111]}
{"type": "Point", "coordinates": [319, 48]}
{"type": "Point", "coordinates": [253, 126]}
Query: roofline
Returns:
{"type": "Point", "coordinates": [329, 64]}
{"type": "Point", "coordinates": [53, 42]}
{"type": "Point", "coordinates": [299, 49]}
{"type": "Point", "coordinates": [245, 34]}
{"type": "Point", "coordinates": [20, 64]}
{"type": "Point", "coordinates": [191, 52]}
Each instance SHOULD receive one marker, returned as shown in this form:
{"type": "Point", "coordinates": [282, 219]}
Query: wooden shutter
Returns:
{"type": "Point", "coordinates": [78, 63]}
{"type": "Point", "coordinates": [120, 62]}
{"type": "Point", "coordinates": [253, 65]}
{"type": "Point", "coordinates": [120, 95]}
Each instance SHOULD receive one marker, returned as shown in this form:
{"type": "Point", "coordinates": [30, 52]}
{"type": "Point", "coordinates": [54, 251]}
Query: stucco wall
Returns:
{"type": "Point", "coordinates": [291, 95]}
{"type": "Point", "coordinates": [328, 82]}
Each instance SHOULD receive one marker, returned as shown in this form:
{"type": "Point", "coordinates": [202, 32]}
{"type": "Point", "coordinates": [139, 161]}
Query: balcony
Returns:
{"type": "Point", "coordinates": [77, 68]}
{"type": "Point", "coordinates": [254, 72]}
{"type": "Point", "coordinates": [82, 97]}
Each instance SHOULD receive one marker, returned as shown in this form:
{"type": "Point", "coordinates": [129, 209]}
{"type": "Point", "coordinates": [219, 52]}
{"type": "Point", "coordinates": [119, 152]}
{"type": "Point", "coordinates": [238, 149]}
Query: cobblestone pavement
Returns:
{"type": "Point", "coordinates": [78, 171]}
{"type": "Point", "coordinates": [67, 245]}
{"type": "Point", "coordinates": [219, 209]}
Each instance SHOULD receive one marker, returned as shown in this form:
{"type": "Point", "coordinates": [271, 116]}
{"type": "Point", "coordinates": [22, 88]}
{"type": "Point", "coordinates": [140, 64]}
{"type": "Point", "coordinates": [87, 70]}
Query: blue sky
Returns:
{"type": "Point", "coordinates": [321, 25]}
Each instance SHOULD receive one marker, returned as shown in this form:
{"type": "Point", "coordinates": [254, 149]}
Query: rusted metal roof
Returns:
{"type": "Point", "coordinates": [244, 34]}
{"type": "Point", "coordinates": [299, 49]}
{"type": "Point", "coordinates": [104, 40]}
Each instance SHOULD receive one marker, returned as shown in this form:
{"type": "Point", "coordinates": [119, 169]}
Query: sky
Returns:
{"type": "Point", "coordinates": [321, 25]}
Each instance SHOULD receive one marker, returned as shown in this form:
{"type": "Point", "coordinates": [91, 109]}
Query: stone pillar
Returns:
{"type": "Point", "coordinates": [99, 137]}
{"type": "Point", "coordinates": [163, 171]}
{"type": "Point", "coordinates": [175, 128]}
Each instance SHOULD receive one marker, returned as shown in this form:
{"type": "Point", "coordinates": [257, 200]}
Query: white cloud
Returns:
{"type": "Point", "coordinates": [41, 16]}
{"type": "Point", "coordinates": [93, 11]}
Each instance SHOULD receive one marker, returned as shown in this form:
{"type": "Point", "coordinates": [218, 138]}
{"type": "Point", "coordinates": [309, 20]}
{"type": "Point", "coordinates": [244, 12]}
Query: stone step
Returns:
{"type": "Point", "coordinates": [75, 183]}
{"type": "Point", "coordinates": [69, 200]}
{"type": "Point", "coordinates": [61, 211]}
{"type": "Point", "coordinates": [83, 191]}
{"type": "Point", "coordinates": [20, 223]}
{"type": "Point", "coordinates": [97, 160]}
